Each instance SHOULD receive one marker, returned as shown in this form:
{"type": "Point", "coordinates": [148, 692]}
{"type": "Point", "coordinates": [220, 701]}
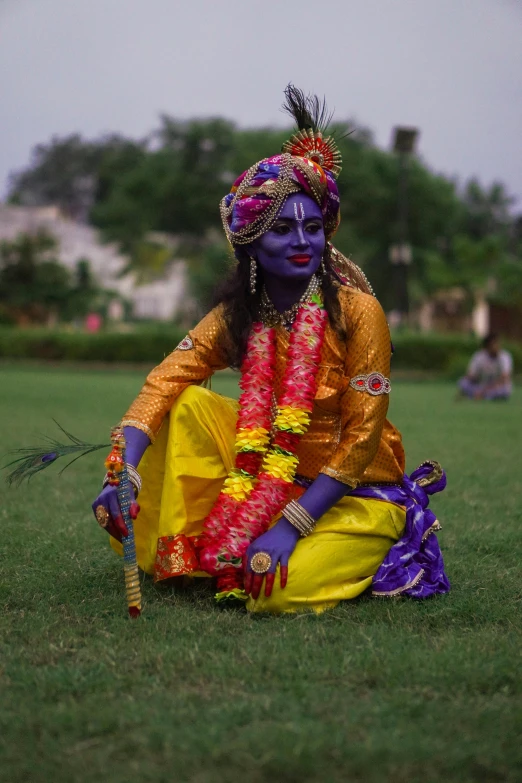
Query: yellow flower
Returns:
{"type": "Point", "coordinates": [281, 466]}
{"type": "Point", "coordinates": [293, 419]}
{"type": "Point", "coordinates": [252, 439]}
{"type": "Point", "coordinates": [238, 485]}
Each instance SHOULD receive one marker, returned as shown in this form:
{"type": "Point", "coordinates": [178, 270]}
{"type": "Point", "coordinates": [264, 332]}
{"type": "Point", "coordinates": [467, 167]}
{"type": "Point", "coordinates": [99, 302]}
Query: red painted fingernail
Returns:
{"type": "Point", "coordinates": [248, 582]}
{"type": "Point", "coordinates": [122, 527]}
{"type": "Point", "coordinates": [134, 510]}
{"type": "Point", "coordinates": [256, 586]}
{"type": "Point", "coordinates": [284, 576]}
{"type": "Point", "coordinates": [269, 583]}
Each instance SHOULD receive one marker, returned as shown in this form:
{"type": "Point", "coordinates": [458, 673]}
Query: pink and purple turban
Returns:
{"type": "Point", "coordinates": [258, 195]}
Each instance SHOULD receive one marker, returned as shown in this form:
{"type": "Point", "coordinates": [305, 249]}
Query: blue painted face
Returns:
{"type": "Point", "coordinates": [293, 247]}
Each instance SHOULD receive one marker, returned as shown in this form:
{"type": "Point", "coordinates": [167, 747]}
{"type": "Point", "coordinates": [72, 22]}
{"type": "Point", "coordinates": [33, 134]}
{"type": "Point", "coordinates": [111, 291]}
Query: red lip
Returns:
{"type": "Point", "coordinates": [299, 258]}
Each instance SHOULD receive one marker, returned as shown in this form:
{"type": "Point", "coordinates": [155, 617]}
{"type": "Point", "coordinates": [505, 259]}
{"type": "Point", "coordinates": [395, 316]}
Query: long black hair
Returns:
{"type": "Point", "coordinates": [241, 306]}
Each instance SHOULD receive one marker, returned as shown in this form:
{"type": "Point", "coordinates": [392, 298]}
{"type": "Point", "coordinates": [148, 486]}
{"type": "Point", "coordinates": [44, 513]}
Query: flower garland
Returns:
{"type": "Point", "coordinates": [260, 482]}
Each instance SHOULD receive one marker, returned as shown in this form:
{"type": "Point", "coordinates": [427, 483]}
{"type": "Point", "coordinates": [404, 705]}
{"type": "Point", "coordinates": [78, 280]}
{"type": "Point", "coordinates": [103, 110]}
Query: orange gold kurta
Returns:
{"type": "Point", "coordinates": [349, 437]}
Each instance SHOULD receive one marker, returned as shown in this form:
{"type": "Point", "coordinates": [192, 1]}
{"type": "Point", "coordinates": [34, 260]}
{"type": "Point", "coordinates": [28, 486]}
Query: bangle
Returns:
{"type": "Point", "coordinates": [134, 478]}
{"type": "Point", "coordinates": [299, 518]}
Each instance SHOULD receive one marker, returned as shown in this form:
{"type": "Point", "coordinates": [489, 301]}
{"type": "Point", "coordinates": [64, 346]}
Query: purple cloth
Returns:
{"type": "Point", "coordinates": [414, 565]}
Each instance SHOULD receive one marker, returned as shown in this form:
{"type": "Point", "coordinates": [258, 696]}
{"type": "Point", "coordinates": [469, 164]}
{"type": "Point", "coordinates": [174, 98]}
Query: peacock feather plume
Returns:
{"type": "Point", "coordinates": [31, 460]}
{"type": "Point", "coordinates": [308, 111]}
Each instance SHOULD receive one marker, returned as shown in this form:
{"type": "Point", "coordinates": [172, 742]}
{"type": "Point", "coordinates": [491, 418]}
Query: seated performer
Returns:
{"type": "Point", "coordinates": [489, 372]}
{"type": "Point", "coordinates": [296, 496]}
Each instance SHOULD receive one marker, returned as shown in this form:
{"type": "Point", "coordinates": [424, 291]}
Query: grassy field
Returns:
{"type": "Point", "coordinates": [388, 690]}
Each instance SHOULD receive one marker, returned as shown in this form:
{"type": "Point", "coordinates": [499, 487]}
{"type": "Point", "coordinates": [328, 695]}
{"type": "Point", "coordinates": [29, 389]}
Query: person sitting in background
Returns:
{"type": "Point", "coordinates": [489, 372]}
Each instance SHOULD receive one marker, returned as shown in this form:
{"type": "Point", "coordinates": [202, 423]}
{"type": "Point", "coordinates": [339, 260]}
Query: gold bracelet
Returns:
{"type": "Point", "coordinates": [134, 478]}
{"type": "Point", "coordinates": [299, 518]}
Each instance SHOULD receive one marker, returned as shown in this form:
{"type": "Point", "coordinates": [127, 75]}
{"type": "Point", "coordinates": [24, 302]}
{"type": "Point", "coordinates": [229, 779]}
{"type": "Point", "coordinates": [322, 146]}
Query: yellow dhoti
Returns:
{"type": "Point", "coordinates": [183, 471]}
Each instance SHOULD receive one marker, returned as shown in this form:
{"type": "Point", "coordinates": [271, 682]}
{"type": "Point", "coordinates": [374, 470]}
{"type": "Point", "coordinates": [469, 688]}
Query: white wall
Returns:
{"type": "Point", "coordinates": [159, 300]}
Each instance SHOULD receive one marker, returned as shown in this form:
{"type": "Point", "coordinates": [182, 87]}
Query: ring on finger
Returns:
{"type": "Point", "coordinates": [102, 516]}
{"type": "Point", "coordinates": [260, 562]}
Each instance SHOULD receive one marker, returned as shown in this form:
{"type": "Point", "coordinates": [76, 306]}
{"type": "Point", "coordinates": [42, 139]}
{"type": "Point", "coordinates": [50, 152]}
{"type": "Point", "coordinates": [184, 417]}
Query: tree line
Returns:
{"type": "Point", "coordinates": [172, 181]}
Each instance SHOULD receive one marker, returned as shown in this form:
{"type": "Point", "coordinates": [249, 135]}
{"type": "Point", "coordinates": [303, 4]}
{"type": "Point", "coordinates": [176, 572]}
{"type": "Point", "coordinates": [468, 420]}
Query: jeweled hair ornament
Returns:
{"type": "Point", "coordinates": [312, 118]}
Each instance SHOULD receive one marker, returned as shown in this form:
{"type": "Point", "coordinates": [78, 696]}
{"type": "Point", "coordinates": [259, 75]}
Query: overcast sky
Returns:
{"type": "Point", "coordinates": [453, 68]}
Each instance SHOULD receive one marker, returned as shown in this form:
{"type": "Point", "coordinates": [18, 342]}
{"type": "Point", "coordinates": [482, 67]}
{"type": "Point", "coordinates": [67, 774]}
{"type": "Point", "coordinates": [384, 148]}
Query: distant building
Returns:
{"type": "Point", "coordinates": [445, 311]}
{"type": "Point", "coordinates": [161, 300]}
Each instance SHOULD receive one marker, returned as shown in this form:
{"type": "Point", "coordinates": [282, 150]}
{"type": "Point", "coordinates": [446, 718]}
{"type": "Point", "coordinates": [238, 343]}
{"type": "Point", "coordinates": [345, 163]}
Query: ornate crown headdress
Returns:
{"type": "Point", "coordinates": [307, 158]}
{"type": "Point", "coordinates": [310, 159]}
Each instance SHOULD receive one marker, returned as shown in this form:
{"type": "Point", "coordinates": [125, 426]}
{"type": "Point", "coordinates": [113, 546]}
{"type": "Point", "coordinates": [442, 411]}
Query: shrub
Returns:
{"type": "Point", "coordinates": [447, 355]}
{"type": "Point", "coordinates": [147, 345]}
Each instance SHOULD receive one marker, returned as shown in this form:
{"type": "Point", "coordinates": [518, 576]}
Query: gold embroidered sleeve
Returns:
{"type": "Point", "coordinates": [364, 401]}
{"type": "Point", "coordinates": [196, 358]}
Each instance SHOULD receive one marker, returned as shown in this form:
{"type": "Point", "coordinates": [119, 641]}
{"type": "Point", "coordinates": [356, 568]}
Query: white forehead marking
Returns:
{"type": "Point", "coordinates": [299, 212]}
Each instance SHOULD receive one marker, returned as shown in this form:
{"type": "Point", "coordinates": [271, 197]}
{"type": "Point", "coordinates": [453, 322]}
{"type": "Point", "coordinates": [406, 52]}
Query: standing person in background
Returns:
{"type": "Point", "coordinates": [489, 375]}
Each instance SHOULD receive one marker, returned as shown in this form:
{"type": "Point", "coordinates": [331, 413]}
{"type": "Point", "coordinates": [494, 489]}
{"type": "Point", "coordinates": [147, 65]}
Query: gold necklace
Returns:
{"type": "Point", "coordinates": [272, 317]}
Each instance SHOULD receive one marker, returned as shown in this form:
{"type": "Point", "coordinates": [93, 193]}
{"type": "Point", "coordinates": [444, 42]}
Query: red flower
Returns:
{"type": "Point", "coordinates": [249, 461]}
{"type": "Point", "coordinates": [286, 440]}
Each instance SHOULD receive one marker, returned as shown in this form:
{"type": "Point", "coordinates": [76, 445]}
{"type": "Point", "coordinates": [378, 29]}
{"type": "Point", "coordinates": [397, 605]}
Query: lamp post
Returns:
{"type": "Point", "coordinates": [404, 140]}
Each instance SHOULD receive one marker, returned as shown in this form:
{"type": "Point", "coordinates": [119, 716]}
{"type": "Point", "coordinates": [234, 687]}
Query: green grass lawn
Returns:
{"type": "Point", "coordinates": [375, 690]}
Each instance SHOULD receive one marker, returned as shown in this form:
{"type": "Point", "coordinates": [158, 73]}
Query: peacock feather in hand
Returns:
{"type": "Point", "coordinates": [33, 459]}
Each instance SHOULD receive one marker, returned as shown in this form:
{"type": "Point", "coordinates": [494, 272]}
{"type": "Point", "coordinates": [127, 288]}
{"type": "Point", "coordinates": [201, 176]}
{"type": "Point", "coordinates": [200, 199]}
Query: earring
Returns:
{"type": "Point", "coordinates": [253, 275]}
{"type": "Point", "coordinates": [323, 268]}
